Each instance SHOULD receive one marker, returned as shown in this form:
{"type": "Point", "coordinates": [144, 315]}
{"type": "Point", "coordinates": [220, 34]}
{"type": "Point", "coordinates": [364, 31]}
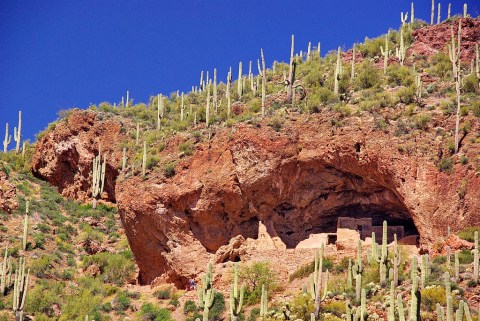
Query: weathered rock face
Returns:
{"type": "Point", "coordinates": [64, 155]}
{"type": "Point", "coordinates": [8, 194]}
{"type": "Point", "coordinates": [298, 182]}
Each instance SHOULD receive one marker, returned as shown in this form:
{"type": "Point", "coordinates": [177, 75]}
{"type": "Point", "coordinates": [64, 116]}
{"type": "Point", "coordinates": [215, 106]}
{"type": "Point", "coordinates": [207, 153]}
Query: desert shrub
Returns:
{"type": "Point", "coordinates": [122, 301]}
{"type": "Point", "coordinates": [368, 76]}
{"type": "Point", "coordinates": [307, 269]}
{"type": "Point", "coordinates": [254, 314]}
{"type": "Point", "coordinates": [399, 75]}
{"type": "Point", "coordinates": [186, 148]}
{"type": "Point", "coordinates": [475, 108]}
{"type": "Point", "coordinates": [254, 275]}
{"type": "Point", "coordinates": [114, 268]}
{"type": "Point", "coordinates": [169, 169]}
{"type": "Point", "coordinates": [276, 124]}
{"type": "Point", "coordinates": [465, 257]}
{"type": "Point", "coordinates": [421, 121]}
{"type": "Point", "coordinates": [441, 65]}
{"type": "Point", "coordinates": [470, 83]}
{"type": "Point", "coordinates": [371, 47]}
{"type": "Point", "coordinates": [41, 267]}
{"type": "Point", "coordinates": [162, 294]}
{"type": "Point", "coordinates": [43, 296]}
{"type": "Point", "coordinates": [433, 295]}
{"type": "Point", "coordinates": [406, 95]}
{"type": "Point", "coordinates": [218, 307]}
{"type": "Point", "coordinates": [189, 307]}
{"type": "Point", "coordinates": [468, 233]}
{"type": "Point", "coordinates": [336, 308]}
{"type": "Point", "coordinates": [150, 312]}
{"type": "Point", "coordinates": [302, 306]}
{"type": "Point", "coordinates": [446, 165]}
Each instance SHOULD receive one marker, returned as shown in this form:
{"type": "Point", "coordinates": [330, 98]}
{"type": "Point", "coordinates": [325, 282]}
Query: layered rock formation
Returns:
{"type": "Point", "coordinates": [8, 194]}
{"type": "Point", "coordinates": [64, 155]}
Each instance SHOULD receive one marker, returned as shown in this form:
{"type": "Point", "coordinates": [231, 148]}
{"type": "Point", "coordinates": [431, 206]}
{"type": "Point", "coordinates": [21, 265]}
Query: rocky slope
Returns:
{"type": "Point", "coordinates": [293, 172]}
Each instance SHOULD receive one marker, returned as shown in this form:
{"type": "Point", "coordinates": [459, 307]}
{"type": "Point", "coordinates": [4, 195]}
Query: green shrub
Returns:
{"type": "Point", "coordinates": [162, 294]}
{"type": "Point", "coordinates": [186, 148]}
{"type": "Point", "coordinates": [446, 165]}
{"type": "Point", "coordinates": [254, 314]}
{"type": "Point", "coordinates": [468, 233]}
{"type": "Point", "coordinates": [307, 269]}
{"type": "Point", "coordinates": [441, 65]}
{"type": "Point", "coordinates": [254, 276]}
{"type": "Point", "coordinates": [189, 307]}
{"type": "Point", "coordinates": [433, 295]}
{"type": "Point", "coordinates": [336, 308]}
{"type": "Point", "coordinates": [399, 75]}
{"type": "Point", "coordinates": [302, 306]}
{"type": "Point", "coordinates": [465, 257]}
{"type": "Point", "coordinates": [470, 83]}
{"type": "Point", "coordinates": [114, 268]}
{"type": "Point", "coordinates": [122, 301]}
{"type": "Point", "coordinates": [276, 124]}
{"type": "Point", "coordinates": [169, 170]}
{"type": "Point", "coordinates": [406, 95]}
{"type": "Point", "coordinates": [150, 312]}
{"type": "Point", "coordinates": [421, 121]}
{"type": "Point", "coordinates": [475, 107]}
{"type": "Point", "coordinates": [368, 76]}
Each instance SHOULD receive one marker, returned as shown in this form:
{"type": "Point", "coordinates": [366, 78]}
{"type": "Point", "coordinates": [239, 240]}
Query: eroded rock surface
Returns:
{"type": "Point", "coordinates": [8, 194]}
{"type": "Point", "coordinates": [297, 182]}
{"type": "Point", "coordinates": [64, 155]}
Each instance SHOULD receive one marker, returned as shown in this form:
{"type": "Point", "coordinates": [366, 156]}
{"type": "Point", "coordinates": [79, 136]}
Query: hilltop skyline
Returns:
{"type": "Point", "coordinates": [57, 56]}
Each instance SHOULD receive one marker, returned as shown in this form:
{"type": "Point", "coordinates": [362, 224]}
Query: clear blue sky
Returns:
{"type": "Point", "coordinates": [61, 54]}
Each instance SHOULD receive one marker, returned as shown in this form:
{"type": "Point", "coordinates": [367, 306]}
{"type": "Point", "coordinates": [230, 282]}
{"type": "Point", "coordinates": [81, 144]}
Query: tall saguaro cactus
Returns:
{"type": "Point", "coordinates": [291, 73]}
{"type": "Point", "coordinates": [206, 293]}
{"type": "Point", "coordinates": [236, 297]}
{"type": "Point", "coordinates": [17, 132]}
{"type": "Point", "coordinates": [98, 176]}
{"type": "Point", "coordinates": [338, 71]}
{"type": "Point", "coordinates": [475, 258]}
{"type": "Point", "coordinates": [383, 261]}
{"type": "Point", "coordinates": [454, 52]}
{"type": "Point", "coordinates": [239, 81]}
{"type": "Point", "coordinates": [432, 12]}
{"type": "Point", "coordinates": [263, 303]}
{"type": "Point", "coordinates": [264, 80]}
{"type": "Point", "coordinates": [385, 53]}
{"type": "Point", "coordinates": [7, 140]}
{"type": "Point", "coordinates": [316, 286]}
{"type": "Point", "coordinates": [20, 290]}
{"type": "Point", "coordinates": [396, 260]}
{"type": "Point", "coordinates": [228, 94]}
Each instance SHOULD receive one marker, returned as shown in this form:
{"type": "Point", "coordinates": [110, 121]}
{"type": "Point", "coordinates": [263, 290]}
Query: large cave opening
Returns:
{"type": "Point", "coordinates": [301, 199]}
{"type": "Point", "coordinates": [323, 195]}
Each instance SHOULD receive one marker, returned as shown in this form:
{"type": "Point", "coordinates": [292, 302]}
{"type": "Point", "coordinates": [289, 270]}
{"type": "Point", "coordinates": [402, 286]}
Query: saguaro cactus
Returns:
{"type": "Point", "coordinates": [98, 176]}
{"type": "Point", "coordinates": [357, 272]}
{"type": "Point", "coordinates": [20, 290]}
{"type": "Point", "coordinates": [454, 54]}
{"type": "Point", "coordinates": [396, 260]}
{"type": "Point", "coordinates": [316, 286]}
{"type": "Point", "coordinates": [207, 109]}
{"type": "Point", "coordinates": [17, 132]}
{"type": "Point", "coordinates": [206, 293]}
{"type": "Point", "coordinates": [391, 307]}
{"type": "Point", "coordinates": [8, 138]}
{"type": "Point", "coordinates": [264, 80]}
{"type": "Point", "coordinates": [5, 270]}
{"type": "Point", "coordinates": [338, 71]}
{"type": "Point", "coordinates": [239, 82]}
{"type": "Point", "coordinates": [432, 12]}
{"type": "Point", "coordinates": [263, 303]}
{"type": "Point", "coordinates": [475, 258]}
{"type": "Point", "coordinates": [425, 270]}
{"type": "Point", "coordinates": [227, 93]}
{"type": "Point", "coordinates": [124, 158]}
{"type": "Point", "coordinates": [438, 13]}
{"type": "Point", "coordinates": [236, 297]}
{"type": "Point", "coordinates": [144, 159]}
{"type": "Point", "coordinates": [385, 53]}
{"type": "Point", "coordinates": [291, 73]}
{"type": "Point", "coordinates": [383, 261]}
{"type": "Point", "coordinates": [412, 13]}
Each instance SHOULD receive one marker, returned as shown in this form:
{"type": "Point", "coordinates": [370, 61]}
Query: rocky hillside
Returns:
{"type": "Point", "coordinates": [228, 174]}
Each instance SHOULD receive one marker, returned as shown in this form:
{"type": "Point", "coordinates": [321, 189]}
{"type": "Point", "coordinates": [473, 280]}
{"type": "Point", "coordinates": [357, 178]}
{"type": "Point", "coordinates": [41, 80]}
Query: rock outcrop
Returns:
{"type": "Point", "coordinates": [297, 182]}
{"type": "Point", "coordinates": [8, 194]}
{"type": "Point", "coordinates": [64, 155]}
